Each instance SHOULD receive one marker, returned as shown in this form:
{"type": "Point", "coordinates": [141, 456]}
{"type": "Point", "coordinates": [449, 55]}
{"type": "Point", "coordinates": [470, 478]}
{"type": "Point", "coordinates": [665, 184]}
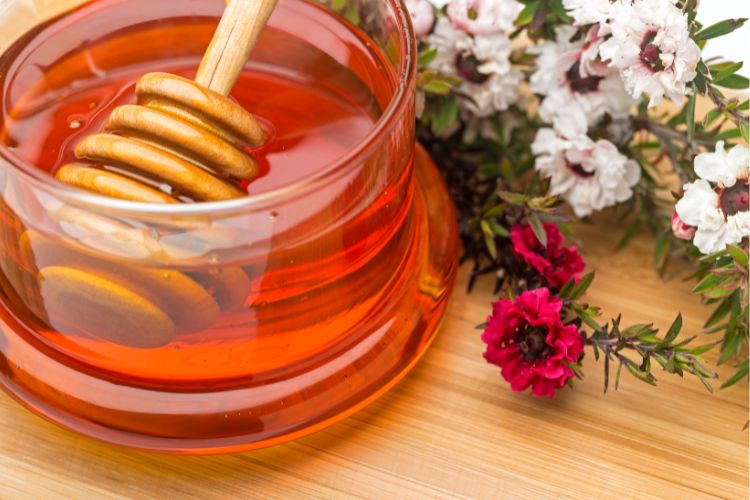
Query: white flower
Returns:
{"type": "Point", "coordinates": [450, 43]}
{"type": "Point", "coordinates": [422, 16]}
{"type": "Point", "coordinates": [496, 94]}
{"type": "Point", "coordinates": [482, 62]}
{"type": "Point", "coordinates": [588, 175]}
{"type": "Point", "coordinates": [571, 75]}
{"type": "Point", "coordinates": [586, 12]}
{"type": "Point", "coordinates": [721, 215]}
{"type": "Point", "coordinates": [722, 167]}
{"type": "Point", "coordinates": [651, 47]}
{"type": "Point", "coordinates": [483, 17]}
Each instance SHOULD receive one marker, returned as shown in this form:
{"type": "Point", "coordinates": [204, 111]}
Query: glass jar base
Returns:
{"type": "Point", "coordinates": [233, 419]}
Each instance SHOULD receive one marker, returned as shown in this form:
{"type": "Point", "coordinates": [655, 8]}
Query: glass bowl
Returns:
{"type": "Point", "coordinates": [222, 326]}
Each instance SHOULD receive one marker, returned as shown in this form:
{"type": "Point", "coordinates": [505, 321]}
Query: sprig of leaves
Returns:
{"type": "Point", "coordinates": [673, 356]}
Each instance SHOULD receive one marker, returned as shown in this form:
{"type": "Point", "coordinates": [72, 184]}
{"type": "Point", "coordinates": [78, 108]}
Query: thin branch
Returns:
{"type": "Point", "coordinates": [720, 103]}
{"type": "Point", "coordinates": [675, 162]}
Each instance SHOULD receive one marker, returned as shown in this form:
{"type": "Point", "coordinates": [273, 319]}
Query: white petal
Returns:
{"type": "Point", "coordinates": [709, 241]}
{"type": "Point", "coordinates": [632, 172]}
{"type": "Point", "coordinates": [699, 197]}
{"type": "Point", "coordinates": [738, 161]}
{"type": "Point", "coordinates": [714, 167]}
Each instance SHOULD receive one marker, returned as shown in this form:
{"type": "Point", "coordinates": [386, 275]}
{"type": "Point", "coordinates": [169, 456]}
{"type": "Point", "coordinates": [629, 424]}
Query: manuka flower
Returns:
{"type": "Point", "coordinates": [682, 230]}
{"type": "Point", "coordinates": [483, 17]}
{"type": "Point", "coordinates": [526, 338]}
{"type": "Point", "coordinates": [422, 16]}
{"type": "Point", "coordinates": [555, 262]}
{"type": "Point", "coordinates": [571, 75]}
{"type": "Point", "coordinates": [585, 12]}
{"type": "Point", "coordinates": [721, 214]}
{"type": "Point", "coordinates": [651, 47]}
{"type": "Point", "coordinates": [482, 62]}
{"type": "Point", "coordinates": [588, 175]}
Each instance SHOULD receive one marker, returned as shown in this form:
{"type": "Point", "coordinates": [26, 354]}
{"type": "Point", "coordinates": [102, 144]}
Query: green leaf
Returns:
{"type": "Point", "coordinates": [437, 87]}
{"type": "Point", "coordinates": [527, 14]}
{"type": "Point", "coordinates": [537, 227]}
{"type": "Point", "coordinates": [739, 375]}
{"type": "Point", "coordinates": [559, 9]}
{"type": "Point", "coordinates": [446, 116]}
{"type": "Point", "coordinates": [732, 133]}
{"type": "Point", "coordinates": [632, 230]}
{"type": "Point", "coordinates": [703, 69]}
{"type": "Point", "coordinates": [587, 319]}
{"type": "Point", "coordinates": [734, 82]}
{"type": "Point", "coordinates": [690, 116]}
{"type": "Point", "coordinates": [426, 57]}
{"type": "Point", "coordinates": [617, 379]}
{"type": "Point", "coordinates": [540, 15]}
{"type": "Point", "coordinates": [744, 131]}
{"type": "Point", "coordinates": [495, 211]}
{"type": "Point", "coordinates": [703, 349]}
{"type": "Point", "coordinates": [711, 117]}
{"type": "Point", "coordinates": [567, 288]}
{"type": "Point", "coordinates": [662, 246]}
{"type": "Point", "coordinates": [718, 292]}
{"type": "Point", "coordinates": [670, 366]}
{"type": "Point", "coordinates": [705, 382]}
{"type": "Point", "coordinates": [633, 369]}
{"type": "Point", "coordinates": [719, 29]}
{"type": "Point", "coordinates": [582, 286]}
{"type": "Point", "coordinates": [729, 70]}
{"type": "Point", "coordinates": [708, 283]}
{"type": "Point", "coordinates": [489, 238]}
{"type": "Point", "coordinates": [672, 333]}
{"type": "Point", "coordinates": [719, 313]}
{"type": "Point", "coordinates": [513, 198]}
{"type": "Point", "coordinates": [700, 82]}
{"type": "Point", "coordinates": [481, 327]}
{"type": "Point", "coordinates": [498, 229]}
{"type": "Point", "coordinates": [739, 255]}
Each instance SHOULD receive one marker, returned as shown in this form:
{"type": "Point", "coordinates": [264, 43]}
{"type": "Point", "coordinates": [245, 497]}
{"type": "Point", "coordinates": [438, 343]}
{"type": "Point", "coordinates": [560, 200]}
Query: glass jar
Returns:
{"type": "Point", "coordinates": [220, 326]}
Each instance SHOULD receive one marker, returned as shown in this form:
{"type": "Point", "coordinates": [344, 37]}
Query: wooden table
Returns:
{"type": "Point", "coordinates": [452, 428]}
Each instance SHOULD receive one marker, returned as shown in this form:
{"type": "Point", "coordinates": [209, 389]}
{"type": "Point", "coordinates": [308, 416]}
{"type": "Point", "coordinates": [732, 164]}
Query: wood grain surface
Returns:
{"type": "Point", "coordinates": [452, 428]}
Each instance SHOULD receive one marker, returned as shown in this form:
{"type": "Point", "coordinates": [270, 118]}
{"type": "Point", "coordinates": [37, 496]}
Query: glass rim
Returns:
{"type": "Point", "coordinates": [377, 135]}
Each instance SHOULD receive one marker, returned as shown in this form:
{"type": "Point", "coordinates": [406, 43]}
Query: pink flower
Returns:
{"type": "Point", "coordinates": [422, 16]}
{"type": "Point", "coordinates": [483, 17]}
{"type": "Point", "coordinates": [682, 230]}
{"type": "Point", "coordinates": [527, 339]}
{"type": "Point", "coordinates": [555, 262]}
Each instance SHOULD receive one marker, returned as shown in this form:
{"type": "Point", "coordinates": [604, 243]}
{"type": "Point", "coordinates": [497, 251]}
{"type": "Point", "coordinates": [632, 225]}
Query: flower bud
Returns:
{"type": "Point", "coordinates": [682, 230]}
{"type": "Point", "coordinates": [422, 16]}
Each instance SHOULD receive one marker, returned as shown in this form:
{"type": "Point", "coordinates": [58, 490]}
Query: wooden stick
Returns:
{"type": "Point", "coordinates": [238, 31]}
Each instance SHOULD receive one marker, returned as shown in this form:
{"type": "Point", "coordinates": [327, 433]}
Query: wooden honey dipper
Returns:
{"type": "Point", "coordinates": [177, 133]}
{"type": "Point", "coordinates": [182, 133]}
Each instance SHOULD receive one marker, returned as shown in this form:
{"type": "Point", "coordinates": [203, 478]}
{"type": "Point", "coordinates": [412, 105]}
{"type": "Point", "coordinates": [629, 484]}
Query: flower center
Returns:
{"type": "Point", "coordinates": [468, 68]}
{"type": "Point", "coordinates": [650, 53]}
{"type": "Point", "coordinates": [581, 84]}
{"type": "Point", "coordinates": [735, 199]}
{"type": "Point", "coordinates": [472, 14]}
{"type": "Point", "coordinates": [533, 343]}
{"type": "Point", "coordinates": [578, 170]}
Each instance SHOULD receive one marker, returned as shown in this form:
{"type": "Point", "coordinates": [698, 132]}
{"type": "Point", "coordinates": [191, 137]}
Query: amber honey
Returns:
{"type": "Point", "coordinates": [234, 326]}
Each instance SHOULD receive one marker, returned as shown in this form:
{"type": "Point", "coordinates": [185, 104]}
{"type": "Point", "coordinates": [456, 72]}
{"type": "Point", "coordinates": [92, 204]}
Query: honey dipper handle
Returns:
{"type": "Point", "coordinates": [239, 29]}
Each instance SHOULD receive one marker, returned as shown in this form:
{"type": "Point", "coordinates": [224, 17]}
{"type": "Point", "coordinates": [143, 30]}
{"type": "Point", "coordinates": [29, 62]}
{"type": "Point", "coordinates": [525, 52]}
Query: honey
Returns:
{"type": "Point", "coordinates": [238, 325]}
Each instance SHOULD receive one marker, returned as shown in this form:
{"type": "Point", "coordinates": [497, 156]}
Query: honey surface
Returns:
{"type": "Point", "coordinates": [61, 82]}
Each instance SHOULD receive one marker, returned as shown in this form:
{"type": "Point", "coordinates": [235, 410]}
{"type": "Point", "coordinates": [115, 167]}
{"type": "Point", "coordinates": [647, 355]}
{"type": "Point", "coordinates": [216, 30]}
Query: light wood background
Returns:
{"type": "Point", "coordinates": [452, 428]}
